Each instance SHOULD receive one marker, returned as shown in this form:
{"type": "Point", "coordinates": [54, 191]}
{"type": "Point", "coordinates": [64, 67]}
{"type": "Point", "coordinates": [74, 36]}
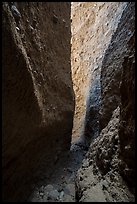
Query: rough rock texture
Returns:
{"type": "Point", "coordinates": [111, 70]}
{"type": "Point", "coordinates": [111, 156]}
{"type": "Point", "coordinates": [60, 186]}
{"type": "Point", "coordinates": [93, 24]}
{"type": "Point", "coordinates": [98, 180]}
{"type": "Point", "coordinates": [127, 117]}
{"type": "Point", "coordinates": [38, 99]}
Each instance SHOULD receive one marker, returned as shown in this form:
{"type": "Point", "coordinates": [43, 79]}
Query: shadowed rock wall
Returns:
{"type": "Point", "coordinates": [38, 98]}
{"type": "Point", "coordinates": [127, 116]}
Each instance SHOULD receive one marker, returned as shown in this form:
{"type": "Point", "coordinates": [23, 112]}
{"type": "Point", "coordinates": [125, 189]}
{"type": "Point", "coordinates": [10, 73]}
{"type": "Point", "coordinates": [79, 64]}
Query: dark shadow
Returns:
{"type": "Point", "coordinates": [37, 97]}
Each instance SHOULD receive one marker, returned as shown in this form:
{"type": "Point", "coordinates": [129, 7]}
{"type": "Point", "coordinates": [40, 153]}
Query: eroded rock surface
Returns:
{"type": "Point", "coordinates": [109, 169]}
{"type": "Point", "coordinates": [38, 99]}
{"type": "Point", "coordinates": [93, 24]}
{"type": "Point", "coordinates": [98, 180]}
{"type": "Point", "coordinates": [38, 102]}
{"type": "Point", "coordinates": [112, 64]}
{"type": "Point", "coordinates": [127, 117]}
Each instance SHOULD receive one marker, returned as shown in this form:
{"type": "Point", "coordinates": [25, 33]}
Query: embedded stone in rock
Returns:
{"type": "Point", "coordinates": [55, 19]}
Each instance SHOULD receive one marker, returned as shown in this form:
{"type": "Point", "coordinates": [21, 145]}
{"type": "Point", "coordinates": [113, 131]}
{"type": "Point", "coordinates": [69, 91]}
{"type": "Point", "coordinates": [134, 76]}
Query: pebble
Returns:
{"type": "Point", "coordinates": [31, 28]}
{"type": "Point", "coordinates": [116, 137]}
{"type": "Point", "coordinates": [128, 147]}
{"type": "Point", "coordinates": [104, 184]}
{"type": "Point", "coordinates": [64, 21]}
{"type": "Point", "coordinates": [61, 194]}
{"type": "Point", "coordinates": [49, 187]}
{"type": "Point", "coordinates": [85, 164]}
{"type": "Point", "coordinates": [17, 28]}
{"type": "Point", "coordinates": [41, 193]}
{"type": "Point", "coordinates": [54, 194]}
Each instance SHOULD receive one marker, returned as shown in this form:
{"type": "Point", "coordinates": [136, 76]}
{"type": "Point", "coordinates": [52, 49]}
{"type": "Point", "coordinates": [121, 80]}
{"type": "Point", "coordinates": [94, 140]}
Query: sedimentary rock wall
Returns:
{"type": "Point", "coordinates": [127, 116]}
{"type": "Point", "coordinates": [111, 70]}
{"type": "Point", "coordinates": [38, 98]}
{"type": "Point", "coordinates": [109, 165]}
{"type": "Point", "coordinates": [93, 24]}
{"type": "Point", "coordinates": [117, 86]}
{"type": "Point", "coordinates": [99, 179]}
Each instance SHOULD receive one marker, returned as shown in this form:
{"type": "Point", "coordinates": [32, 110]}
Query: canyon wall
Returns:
{"type": "Point", "coordinates": [111, 70]}
{"type": "Point", "coordinates": [117, 89]}
{"type": "Point", "coordinates": [127, 115]}
{"type": "Point", "coordinates": [37, 94]}
{"type": "Point", "coordinates": [93, 24]}
{"type": "Point", "coordinates": [108, 172]}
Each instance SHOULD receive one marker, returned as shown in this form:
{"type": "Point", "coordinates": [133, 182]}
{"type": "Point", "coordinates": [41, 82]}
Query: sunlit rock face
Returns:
{"type": "Point", "coordinates": [109, 167]}
{"type": "Point", "coordinates": [93, 24]}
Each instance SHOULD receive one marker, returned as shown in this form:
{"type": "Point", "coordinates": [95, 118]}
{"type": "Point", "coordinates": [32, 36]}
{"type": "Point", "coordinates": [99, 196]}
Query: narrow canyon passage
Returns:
{"type": "Point", "coordinates": [59, 186]}
{"type": "Point", "coordinates": [68, 101]}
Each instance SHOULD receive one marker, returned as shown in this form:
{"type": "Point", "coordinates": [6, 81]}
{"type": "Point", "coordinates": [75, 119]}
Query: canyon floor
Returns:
{"type": "Point", "coordinates": [60, 186]}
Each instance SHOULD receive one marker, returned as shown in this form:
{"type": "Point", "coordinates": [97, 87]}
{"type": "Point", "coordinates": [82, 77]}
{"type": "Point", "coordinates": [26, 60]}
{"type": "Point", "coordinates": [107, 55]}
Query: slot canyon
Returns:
{"type": "Point", "coordinates": [68, 101]}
